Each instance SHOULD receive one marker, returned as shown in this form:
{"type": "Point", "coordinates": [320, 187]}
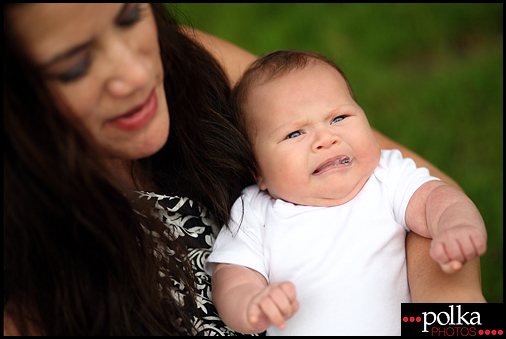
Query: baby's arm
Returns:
{"type": "Point", "coordinates": [447, 215]}
{"type": "Point", "coordinates": [247, 304]}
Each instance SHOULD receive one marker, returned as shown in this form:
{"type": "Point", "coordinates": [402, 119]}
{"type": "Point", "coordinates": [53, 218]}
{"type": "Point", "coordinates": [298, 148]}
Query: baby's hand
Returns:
{"type": "Point", "coordinates": [273, 305]}
{"type": "Point", "coordinates": [457, 245]}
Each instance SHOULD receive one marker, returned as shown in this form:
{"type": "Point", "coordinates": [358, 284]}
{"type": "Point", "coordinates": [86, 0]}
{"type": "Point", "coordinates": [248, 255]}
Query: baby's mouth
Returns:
{"type": "Point", "coordinates": [339, 161]}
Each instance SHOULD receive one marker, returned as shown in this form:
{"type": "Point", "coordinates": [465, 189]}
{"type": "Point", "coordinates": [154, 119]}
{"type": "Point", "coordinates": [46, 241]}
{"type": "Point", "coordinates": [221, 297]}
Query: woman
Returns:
{"type": "Point", "coordinates": [106, 108]}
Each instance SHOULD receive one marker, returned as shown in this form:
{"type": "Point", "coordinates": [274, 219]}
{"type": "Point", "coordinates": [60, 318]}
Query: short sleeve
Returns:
{"type": "Point", "coordinates": [402, 178]}
{"type": "Point", "coordinates": [241, 241]}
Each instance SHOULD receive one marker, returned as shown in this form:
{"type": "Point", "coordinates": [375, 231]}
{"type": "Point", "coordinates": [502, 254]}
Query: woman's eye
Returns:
{"type": "Point", "coordinates": [293, 135]}
{"type": "Point", "coordinates": [76, 72]}
{"type": "Point", "coordinates": [131, 17]}
{"type": "Point", "coordinates": [337, 119]}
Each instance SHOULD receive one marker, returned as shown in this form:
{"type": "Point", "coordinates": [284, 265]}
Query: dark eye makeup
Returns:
{"type": "Point", "coordinates": [126, 19]}
{"type": "Point", "coordinates": [132, 16]}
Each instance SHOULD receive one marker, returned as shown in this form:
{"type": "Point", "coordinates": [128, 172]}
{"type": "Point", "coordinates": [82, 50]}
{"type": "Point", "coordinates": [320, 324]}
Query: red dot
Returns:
{"type": "Point", "coordinates": [405, 319]}
{"type": "Point", "coordinates": [418, 319]}
{"type": "Point", "coordinates": [480, 332]}
{"type": "Point", "coordinates": [494, 332]}
{"type": "Point", "coordinates": [487, 332]}
{"type": "Point", "coordinates": [499, 332]}
{"type": "Point", "coordinates": [412, 319]}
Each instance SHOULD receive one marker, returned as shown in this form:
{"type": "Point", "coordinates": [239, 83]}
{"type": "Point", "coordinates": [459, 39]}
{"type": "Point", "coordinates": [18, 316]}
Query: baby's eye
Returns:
{"type": "Point", "coordinates": [293, 134]}
{"type": "Point", "coordinates": [337, 119]}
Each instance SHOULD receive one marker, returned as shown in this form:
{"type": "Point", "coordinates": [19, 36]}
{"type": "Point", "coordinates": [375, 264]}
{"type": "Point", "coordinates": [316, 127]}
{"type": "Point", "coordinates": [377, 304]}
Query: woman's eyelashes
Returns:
{"type": "Point", "coordinates": [127, 20]}
{"type": "Point", "coordinates": [131, 17]}
{"type": "Point", "coordinates": [76, 72]}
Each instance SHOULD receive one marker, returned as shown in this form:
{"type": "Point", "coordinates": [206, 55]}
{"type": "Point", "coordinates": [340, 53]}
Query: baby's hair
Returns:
{"type": "Point", "coordinates": [268, 67]}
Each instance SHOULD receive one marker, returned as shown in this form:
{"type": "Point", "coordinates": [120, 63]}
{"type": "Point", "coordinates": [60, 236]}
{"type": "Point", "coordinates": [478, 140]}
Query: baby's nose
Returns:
{"type": "Point", "coordinates": [325, 139]}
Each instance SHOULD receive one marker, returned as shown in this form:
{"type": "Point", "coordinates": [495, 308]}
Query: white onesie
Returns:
{"type": "Point", "coordinates": [348, 262]}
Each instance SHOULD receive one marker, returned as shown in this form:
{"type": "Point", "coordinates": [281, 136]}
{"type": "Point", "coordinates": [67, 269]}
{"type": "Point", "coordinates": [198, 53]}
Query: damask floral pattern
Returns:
{"type": "Point", "coordinates": [190, 222]}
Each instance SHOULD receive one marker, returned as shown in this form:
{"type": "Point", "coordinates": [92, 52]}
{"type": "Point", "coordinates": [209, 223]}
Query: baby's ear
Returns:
{"type": "Point", "coordinates": [260, 181]}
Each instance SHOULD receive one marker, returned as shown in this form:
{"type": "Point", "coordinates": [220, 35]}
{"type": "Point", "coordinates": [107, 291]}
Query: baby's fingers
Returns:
{"type": "Point", "coordinates": [455, 250]}
{"type": "Point", "coordinates": [451, 267]}
{"type": "Point", "coordinates": [438, 252]}
{"type": "Point", "coordinates": [448, 255]}
{"type": "Point", "coordinates": [479, 242]}
{"type": "Point", "coordinates": [268, 312]}
{"type": "Point", "coordinates": [285, 297]}
{"type": "Point", "coordinates": [283, 303]}
{"type": "Point", "coordinates": [277, 304]}
{"type": "Point", "coordinates": [472, 247]}
{"type": "Point", "coordinates": [258, 318]}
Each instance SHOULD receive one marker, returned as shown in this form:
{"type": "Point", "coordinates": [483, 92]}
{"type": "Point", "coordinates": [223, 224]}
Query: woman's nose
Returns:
{"type": "Point", "coordinates": [325, 138]}
{"type": "Point", "coordinates": [129, 70]}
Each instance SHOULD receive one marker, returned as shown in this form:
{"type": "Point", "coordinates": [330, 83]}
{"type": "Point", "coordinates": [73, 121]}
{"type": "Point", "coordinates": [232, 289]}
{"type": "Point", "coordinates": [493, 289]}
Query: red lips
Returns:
{"type": "Point", "coordinates": [139, 116]}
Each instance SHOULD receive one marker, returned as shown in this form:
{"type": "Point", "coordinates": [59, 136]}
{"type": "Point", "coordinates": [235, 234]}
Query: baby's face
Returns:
{"type": "Point", "coordinates": [313, 142]}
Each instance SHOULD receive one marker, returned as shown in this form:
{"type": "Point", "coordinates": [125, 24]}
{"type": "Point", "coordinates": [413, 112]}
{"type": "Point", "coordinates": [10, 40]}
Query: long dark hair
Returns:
{"type": "Point", "coordinates": [205, 151]}
{"type": "Point", "coordinates": [79, 252]}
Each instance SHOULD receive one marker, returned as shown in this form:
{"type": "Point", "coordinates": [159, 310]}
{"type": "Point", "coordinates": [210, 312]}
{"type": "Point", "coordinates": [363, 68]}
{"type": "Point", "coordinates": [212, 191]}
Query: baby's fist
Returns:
{"type": "Point", "coordinates": [273, 306]}
{"type": "Point", "coordinates": [458, 245]}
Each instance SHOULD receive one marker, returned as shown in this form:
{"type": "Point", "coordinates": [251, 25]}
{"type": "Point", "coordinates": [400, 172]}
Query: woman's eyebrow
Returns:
{"type": "Point", "coordinates": [67, 54]}
{"type": "Point", "coordinates": [78, 48]}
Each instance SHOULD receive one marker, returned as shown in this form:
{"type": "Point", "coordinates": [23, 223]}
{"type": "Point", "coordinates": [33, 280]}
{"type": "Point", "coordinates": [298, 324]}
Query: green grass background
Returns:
{"type": "Point", "coordinates": [429, 76]}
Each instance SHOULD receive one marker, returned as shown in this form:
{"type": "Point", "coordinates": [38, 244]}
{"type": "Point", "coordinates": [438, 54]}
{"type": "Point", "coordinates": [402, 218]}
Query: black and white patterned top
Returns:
{"type": "Point", "coordinates": [190, 223]}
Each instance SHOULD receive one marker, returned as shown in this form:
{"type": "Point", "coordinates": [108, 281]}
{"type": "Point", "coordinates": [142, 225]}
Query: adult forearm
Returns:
{"type": "Point", "coordinates": [234, 59]}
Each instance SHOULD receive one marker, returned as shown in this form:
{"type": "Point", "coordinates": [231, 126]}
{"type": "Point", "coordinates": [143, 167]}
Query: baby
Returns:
{"type": "Point", "coordinates": [317, 246]}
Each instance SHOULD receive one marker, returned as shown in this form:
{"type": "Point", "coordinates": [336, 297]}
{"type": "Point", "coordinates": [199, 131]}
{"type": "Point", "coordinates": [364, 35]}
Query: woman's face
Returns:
{"type": "Point", "coordinates": [104, 61]}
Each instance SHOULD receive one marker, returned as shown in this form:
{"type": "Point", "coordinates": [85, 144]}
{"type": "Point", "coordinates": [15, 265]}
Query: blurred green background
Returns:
{"type": "Point", "coordinates": [429, 76]}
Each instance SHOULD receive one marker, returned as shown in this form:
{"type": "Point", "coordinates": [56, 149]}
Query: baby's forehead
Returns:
{"type": "Point", "coordinates": [280, 93]}
{"type": "Point", "coordinates": [279, 79]}
{"type": "Point", "coordinates": [268, 82]}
